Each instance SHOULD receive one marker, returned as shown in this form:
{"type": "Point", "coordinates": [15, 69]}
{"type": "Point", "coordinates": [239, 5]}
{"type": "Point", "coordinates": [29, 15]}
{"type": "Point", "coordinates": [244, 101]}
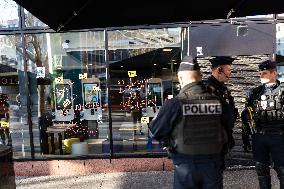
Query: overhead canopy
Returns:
{"type": "Point", "coordinates": [63, 15]}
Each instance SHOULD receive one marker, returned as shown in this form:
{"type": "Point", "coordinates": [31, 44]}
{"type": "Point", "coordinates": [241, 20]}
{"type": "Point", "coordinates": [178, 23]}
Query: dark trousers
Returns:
{"type": "Point", "coordinates": [245, 139]}
{"type": "Point", "coordinates": [197, 172]}
{"type": "Point", "coordinates": [44, 142]}
{"type": "Point", "coordinates": [267, 147]}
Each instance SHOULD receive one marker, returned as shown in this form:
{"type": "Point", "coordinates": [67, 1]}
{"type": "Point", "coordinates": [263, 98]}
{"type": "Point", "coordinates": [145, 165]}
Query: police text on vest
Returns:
{"type": "Point", "coordinates": [202, 109]}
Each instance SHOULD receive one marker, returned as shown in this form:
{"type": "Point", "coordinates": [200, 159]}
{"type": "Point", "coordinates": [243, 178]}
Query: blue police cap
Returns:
{"type": "Point", "coordinates": [188, 64]}
{"type": "Point", "coordinates": [267, 65]}
{"type": "Point", "coordinates": [221, 60]}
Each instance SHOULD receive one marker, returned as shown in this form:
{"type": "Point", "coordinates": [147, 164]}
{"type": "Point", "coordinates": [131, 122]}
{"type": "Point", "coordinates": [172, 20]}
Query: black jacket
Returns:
{"type": "Point", "coordinates": [220, 89]}
{"type": "Point", "coordinates": [228, 105]}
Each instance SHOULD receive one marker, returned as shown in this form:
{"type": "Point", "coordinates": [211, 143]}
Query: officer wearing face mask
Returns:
{"type": "Point", "coordinates": [264, 117]}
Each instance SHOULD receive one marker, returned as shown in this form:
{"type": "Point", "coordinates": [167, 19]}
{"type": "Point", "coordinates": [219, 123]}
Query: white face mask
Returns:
{"type": "Point", "coordinates": [264, 80]}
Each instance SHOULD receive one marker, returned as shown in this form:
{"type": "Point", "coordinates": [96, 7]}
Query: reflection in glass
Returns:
{"type": "Point", "coordinates": [63, 95]}
{"type": "Point", "coordinates": [92, 97]}
{"type": "Point", "coordinates": [9, 14]}
{"type": "Point", "coordinates": [141, 76]}
{"type": "Point", "coordinates": [154, 95]}
{"type": "Point", "coordinates": [79, 57]}
{"type": "Point", "coordinates": [12, 87]}
{"type": "Point", "coordinates": [280, 50]}
{"type": "Point", "coordinates": [176, 88]}
{"type": "Point", "coordinates": [31, 21]}
{"type": "Point", "coordinates": [66, 86]}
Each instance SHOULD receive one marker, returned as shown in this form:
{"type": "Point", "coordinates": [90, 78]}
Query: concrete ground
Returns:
{"type": "Point", "coordinates": [233, 179]}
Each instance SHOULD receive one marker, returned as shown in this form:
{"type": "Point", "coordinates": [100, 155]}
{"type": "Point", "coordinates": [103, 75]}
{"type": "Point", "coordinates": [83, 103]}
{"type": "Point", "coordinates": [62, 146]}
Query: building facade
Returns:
{"type": "Point", "coordinates": [93, 93]}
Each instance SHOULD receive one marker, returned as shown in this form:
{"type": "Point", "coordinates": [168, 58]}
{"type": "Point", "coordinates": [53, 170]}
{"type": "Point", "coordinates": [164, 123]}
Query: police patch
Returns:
{"type": "Point", "coordinates": [202, 109]}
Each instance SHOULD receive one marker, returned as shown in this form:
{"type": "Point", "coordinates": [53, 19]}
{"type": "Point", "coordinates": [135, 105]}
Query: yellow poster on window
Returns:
{"type": "Point", "coordinates": [4, 124]}
{"type": "Point", "coordinates": [132, 73]}
{"type": "Point", "coordinates": [144, 119]}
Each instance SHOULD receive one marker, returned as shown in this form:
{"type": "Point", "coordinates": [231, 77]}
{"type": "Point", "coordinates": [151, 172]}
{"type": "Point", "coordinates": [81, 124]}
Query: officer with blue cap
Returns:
{"type": "Point", "coordinates": [263, 116]}
{"type": "Point", "coordinates": [190, 127]}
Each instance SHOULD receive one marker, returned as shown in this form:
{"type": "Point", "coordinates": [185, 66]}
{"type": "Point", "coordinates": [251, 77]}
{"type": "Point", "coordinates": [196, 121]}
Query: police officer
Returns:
{"type": "Point", "coordinates": [221, 72]}
{"type": "Point", "coordinates": [190, 126]}
{"type": "Point", "coordinates": [266, 104]}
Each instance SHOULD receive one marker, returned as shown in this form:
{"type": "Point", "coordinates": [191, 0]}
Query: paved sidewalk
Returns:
{"type": "Point", "coordinates": [238, 179]}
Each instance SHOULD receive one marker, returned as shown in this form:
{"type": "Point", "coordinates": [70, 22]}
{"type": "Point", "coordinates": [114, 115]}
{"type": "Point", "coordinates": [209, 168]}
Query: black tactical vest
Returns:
{"type": "Point", "coordinates": [268, 107]}
{"type": "Point", "coordinates": [199, 130]}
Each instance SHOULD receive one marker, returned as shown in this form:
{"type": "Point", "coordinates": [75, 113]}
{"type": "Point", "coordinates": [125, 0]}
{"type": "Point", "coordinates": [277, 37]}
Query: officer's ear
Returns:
{"type": "Point", "coordinates": [274, 73]}
{"type": "Point", "coordinates": [220, 70]}
{"type": "Point", "coordinates": [180, 78]}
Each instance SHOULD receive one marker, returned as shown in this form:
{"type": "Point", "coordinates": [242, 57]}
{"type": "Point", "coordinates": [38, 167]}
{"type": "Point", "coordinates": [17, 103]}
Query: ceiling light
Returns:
{"type": "Point", "coordinates": [164, 68]}
{"type": "Point", "coordinates": [121, 66]}
{"type": "Point", "coordinates": [155, 64]}
{"type": "Point", "coordinates": [167, 50]}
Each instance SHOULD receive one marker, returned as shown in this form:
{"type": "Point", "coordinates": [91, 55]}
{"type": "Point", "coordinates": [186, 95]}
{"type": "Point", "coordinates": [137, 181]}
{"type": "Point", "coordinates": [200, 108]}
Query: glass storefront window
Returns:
{"type": "Point", "coordinates": [68, 94]}
{"type": "Point", "coordinates": [9, 14]}
{"type": "Point", "coordinates": [67, 75]}
{"type": "Point", "coordinates": [143, 66]}
{"type": "Point", "coordinates": [14, 129]}
{"type": "Point", "coordinates": [31, 21]}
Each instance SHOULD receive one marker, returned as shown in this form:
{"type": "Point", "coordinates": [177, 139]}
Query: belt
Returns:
{"type": "Point", "coordinates": [271, 132]}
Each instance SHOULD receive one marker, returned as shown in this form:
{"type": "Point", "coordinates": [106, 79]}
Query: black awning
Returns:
{"type": "Point", "coordinates": [62, 15]}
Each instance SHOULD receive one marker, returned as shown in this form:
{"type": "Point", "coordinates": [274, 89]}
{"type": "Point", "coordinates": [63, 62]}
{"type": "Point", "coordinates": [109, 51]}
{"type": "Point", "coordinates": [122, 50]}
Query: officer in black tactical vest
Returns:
{"type": "Point", "coordinates": [190, 126]}
{"type": "Point", "coordinates": [221, 72]}
{"type": "Point", "coordinates": [265, 104]}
